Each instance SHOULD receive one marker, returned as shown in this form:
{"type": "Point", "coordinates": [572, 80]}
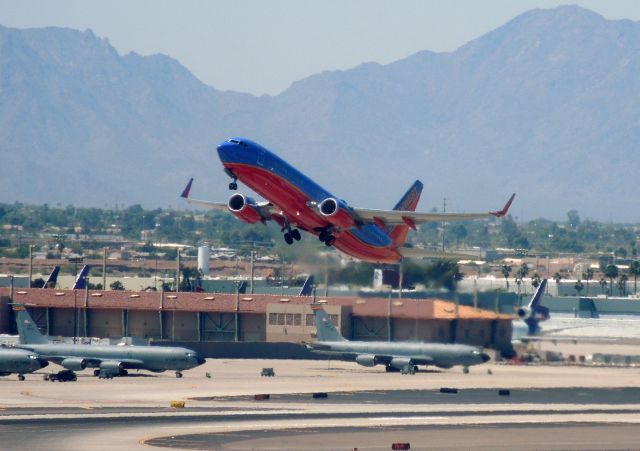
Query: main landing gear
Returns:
{"type": "Point", "coordinates": [178, 374]}
{"type": "Point", "coordinates": [292, 234]}
{"type": "Point", "coordinates": [327, 238]}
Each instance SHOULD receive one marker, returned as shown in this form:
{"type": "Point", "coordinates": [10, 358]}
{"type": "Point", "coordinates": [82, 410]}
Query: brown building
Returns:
{"type": "Point", "coordinates": [250, 318]}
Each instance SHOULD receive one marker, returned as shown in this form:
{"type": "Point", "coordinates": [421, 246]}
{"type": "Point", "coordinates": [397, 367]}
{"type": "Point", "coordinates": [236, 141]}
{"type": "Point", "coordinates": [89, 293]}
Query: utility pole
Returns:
{"type": "Point", "coordinates": [444, 210]}
{"type": "Point", "coordinates": [253, 254]}
{"type": "Point", "coordinates": [178, 270]}
{"type": "Point", "coordinates": [104, 268]}
{"type": "Point", "coordinates": [30, 264]}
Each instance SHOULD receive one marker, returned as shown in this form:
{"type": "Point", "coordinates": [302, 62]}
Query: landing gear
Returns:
{"type": "Point", "coordinates": [288, 238]}
{"type": "Point", "coordinates": [20, 377]}
{"type": "Point", "coordinates": [465, 369]}
{"type": "Point", "coordinates": [327, 238]}
{"type": "Point", "coordinates": [409, 369]}
{"type": "Point", "coordinates": [96, 373]}
{"type": "Point", "coordinates": [295, 234]}
{"type": "Point", "coordinates": [233, 185]}
{"type": "Point", "coordinates": [178, 374]}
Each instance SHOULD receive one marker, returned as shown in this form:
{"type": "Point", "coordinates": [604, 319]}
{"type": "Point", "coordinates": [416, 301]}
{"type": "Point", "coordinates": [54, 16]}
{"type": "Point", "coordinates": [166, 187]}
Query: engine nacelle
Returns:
{"type": "Point", "coordinates": [400, 362]}
{"type": "Point", "coordinates": [111, 367]}
{"type": "Point", "coordinates": [524, 313]}
{"type": "Point", "coordinates": [244, 208]}
{"type": "Point", "coordinates": [337, 213]}
{"type": "Point", "coordinates": [366, 360]}
{"type": "Point", "coordinates": [74, 363]}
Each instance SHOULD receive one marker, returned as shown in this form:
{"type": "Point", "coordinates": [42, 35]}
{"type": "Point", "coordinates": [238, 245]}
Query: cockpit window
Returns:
{"type": "Point", "coordinates": [235, 141]}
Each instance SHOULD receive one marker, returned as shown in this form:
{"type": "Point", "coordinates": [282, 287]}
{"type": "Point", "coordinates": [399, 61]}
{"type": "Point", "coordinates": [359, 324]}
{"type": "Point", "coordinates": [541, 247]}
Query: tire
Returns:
{"type": "Point", "coordinates": [295, 234]}
{"type": "Point", "coordinates": [288, 238]}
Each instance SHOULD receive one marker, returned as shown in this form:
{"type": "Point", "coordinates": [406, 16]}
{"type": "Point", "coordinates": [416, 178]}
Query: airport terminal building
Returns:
{"type": "Point", "coordinates": [256, 318]}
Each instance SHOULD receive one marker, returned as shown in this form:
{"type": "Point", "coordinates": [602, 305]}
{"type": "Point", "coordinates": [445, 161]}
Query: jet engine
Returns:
{"type": "Point", "coordinates": [400, 362]}
{"type": "Point", "coordinates": [366, 360]}
{"type": "Point", "coordinates": [111, 367]}
{"type": "Point", "coordinates": [337, 212]}
{"type": "Point", "coordinates": [244, 208]}
{"type": "Point", "coordinates": [524, 313]}
{"type": "Point", "coordinates": [74, 363]}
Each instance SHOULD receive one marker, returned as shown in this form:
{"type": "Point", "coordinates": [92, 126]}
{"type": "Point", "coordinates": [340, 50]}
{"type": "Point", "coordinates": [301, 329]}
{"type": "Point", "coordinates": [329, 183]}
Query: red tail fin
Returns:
{"type": "Point", "coordinates": [408, 202]}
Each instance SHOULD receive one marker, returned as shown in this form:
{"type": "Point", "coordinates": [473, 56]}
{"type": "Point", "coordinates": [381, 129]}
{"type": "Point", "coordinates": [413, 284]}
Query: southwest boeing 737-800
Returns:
{"type": "Point", "coordinates": [297, 203]}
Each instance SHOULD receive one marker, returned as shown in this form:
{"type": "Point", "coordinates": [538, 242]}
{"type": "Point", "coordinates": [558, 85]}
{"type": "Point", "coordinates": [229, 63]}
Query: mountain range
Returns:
{"type": "Point", "coordinates": [547, 106]}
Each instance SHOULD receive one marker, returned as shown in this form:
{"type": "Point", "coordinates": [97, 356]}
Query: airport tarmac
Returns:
{"type": "Point", "coordinates": [365, 408]}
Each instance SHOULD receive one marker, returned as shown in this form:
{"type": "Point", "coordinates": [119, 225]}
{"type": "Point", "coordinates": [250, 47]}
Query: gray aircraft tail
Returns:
{"type": "Point", "coordinates": [325, 330]}
{"type": "Point", "coordinates": [27, 329]}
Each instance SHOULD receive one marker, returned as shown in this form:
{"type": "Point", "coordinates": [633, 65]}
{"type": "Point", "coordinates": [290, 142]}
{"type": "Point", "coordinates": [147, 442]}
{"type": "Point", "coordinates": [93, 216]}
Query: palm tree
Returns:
{"type": "Point", "coordinates": [603, 284]}
{"type": "Point", "coordinates": [557, 277]}
{"type": "Point", "coordinates": [587, 275]}
{"type": "Point", "coordinates": [535, 280]}
{"type": "Point", "coordinates": [506, 270]}
{"type": "Point", "coordinates": [611, 272]}
{"type": "Point", "coordinates": [622, 284]}
{"type": "Point", "coordinates": [578, 286]}
{"type": "Point", "coordinates": [634, 270]}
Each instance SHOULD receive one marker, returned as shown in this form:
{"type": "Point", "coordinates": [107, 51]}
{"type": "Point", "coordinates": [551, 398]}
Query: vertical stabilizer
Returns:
{"type": "Point", "coordinates": [81, 280]}
{"type": "Point", "coordinates": [408, 202]}
{"type": "Point", "coordinates": [27, 329]}
{"type": "Point", "coordinates": [325, 330]}
{"type": "Point", "coordinates": [534, 313]}
{"type": "Point", "coordinates": [52, 281]}
{"type": "Point", "coordinates": [307, 287]}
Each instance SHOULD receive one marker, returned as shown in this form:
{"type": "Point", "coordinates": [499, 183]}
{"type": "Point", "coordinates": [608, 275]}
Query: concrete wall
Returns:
{"type": "Point", "coordinates": [180, 325]}
{"type": "Point", "coordinates": [294, 322]}
{"type": "Point", "coordinates": [142, 323]}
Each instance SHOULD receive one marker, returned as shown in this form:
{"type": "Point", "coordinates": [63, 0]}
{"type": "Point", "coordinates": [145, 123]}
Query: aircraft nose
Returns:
{"type": "Point", "coordinates": [485, 357]}
{"type": "Point", "coordinates": [200, 360]}
{"type": "Point", "coordinates": [226, 149]}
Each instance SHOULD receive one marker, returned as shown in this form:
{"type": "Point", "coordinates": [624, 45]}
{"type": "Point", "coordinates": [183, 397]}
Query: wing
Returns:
{"type": "Point", "coordinates": [411, 218]}
{"type": "Point", "coordinates": [265, 210]}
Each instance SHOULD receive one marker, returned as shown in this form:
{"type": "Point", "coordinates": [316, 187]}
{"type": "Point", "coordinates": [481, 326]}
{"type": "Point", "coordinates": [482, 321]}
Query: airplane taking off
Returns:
{"type": "Point", "coordinates": [398, 356]}
{"type": "Point", "coordinates": [111, 360]}
{"type": "Point", "coordinates": [297, 203]}
{"type": "Point", "coordinates": [19, 361]}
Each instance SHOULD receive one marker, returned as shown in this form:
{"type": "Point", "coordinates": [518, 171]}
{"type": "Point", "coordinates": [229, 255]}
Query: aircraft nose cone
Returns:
{"type": "Point", "coordinates": [485, 357]}
{"type": "Point", "coordinates": [200, 360]}
{"type": "Point", "coordinates": [226, 150]}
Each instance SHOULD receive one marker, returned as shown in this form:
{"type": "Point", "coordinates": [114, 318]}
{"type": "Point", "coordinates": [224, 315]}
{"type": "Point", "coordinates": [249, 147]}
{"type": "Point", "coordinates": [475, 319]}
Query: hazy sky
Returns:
{"type": "Point", "coordinates": [263, 46]}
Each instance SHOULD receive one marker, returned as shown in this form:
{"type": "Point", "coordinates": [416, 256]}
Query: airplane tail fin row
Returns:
{"type": "Point", "coordinates": [52, 281]}
{"type": "Point", "coordinates": [81, 280]}
{"type": "Point", "coordinates": [534, 312]}
{"type": "Point", "coordinates": [325, 330]}
{"type": "Point", "coordinates": [408, 202]}
{"type": "Point", "coordinates": [27, 329]}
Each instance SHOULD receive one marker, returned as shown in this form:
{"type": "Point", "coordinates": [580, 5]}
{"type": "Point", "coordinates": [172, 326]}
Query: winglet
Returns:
{"type": "Point", "coordinates": [187, 189]}
{"type": "Point", "coordinates": [505, 209]}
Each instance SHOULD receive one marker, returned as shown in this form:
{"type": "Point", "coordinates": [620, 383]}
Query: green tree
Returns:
{"type": "Point", "coordinates": [557, 277]}
{"type": "Point", "coordinates": [611, 272]}
{"type": "Point", "coordinates": [587, 275]}
{"type": "Point", "coordinates": [116, 286]}
{"type": "Point", "coordinates": [506, 270]}
{"type": "Point", "coordinates": [622, 284]}
{"type": "Point", "coordinates": [535, 280]}
{"type": "Point", "coordinates": [603, 284]}
{"type": "Point", "coordinates": [573, 218]}
{"type": "Point", "coordinates": [634, 270]}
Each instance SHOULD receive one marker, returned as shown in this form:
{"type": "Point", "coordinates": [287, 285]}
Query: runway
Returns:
{"type": "Point", "coordinates": [366, 408]}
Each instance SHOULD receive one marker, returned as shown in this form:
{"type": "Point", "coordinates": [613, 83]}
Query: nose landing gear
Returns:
{"type": "Point", "coordinates": [327, 238]}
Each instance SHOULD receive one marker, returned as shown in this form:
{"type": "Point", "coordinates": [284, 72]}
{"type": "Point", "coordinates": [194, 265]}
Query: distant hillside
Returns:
{"type": "Point", "coordinates": [547, 105]}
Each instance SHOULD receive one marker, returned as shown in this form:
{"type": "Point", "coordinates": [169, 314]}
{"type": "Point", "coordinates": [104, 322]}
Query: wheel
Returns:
{"type": "Point", "coordinates": [330, 240]}
{"type": "Point", "coordinates": [323, 236]}
{"type": "Point", "coordinates": [295, 233]}
{"type": "Point", "coordinates": [465, 370]}
{"type": "Point", "coordinates": [20, 377]}
{"type": "Point", "coordinates": [288, 238]}
{"type": "Point", "coordinates": [96, 373]}
{"type": "Point", "coordinates": [178, 374]}
{"type": "Point", "coordinates": [233, 186]}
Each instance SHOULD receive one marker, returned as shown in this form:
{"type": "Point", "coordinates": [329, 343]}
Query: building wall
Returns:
{"type": "Point", "coordinates": [180, 325]}
{"type": "Point", "coordinates": [101, 323]}
{"type": "Point", "coordinates": [143, 324]}
{"type": "Point", "coordinates": [217, 326]}
{"type": "Point", "coordinates": [253, 327]}
{"type": "Point", "coordinates": [294, 323]}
